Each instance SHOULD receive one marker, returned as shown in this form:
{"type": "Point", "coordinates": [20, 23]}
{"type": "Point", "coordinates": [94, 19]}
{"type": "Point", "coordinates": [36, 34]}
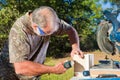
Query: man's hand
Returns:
{"type": "Point", "coordinates": [78, 52]}
{"type": "Point", "coordinates": [59, 68]}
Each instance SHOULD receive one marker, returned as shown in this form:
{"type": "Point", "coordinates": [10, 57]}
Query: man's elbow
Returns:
{"type": "Point", "coordinates": [19, 69]}
{"type": "Point", "coordinates": [71, 30]}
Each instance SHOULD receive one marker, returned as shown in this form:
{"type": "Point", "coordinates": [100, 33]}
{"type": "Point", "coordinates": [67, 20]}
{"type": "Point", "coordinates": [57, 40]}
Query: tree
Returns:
{"type": "Point", "coordinates": [8, 15]}
{"type": "Point", "coordinates": [79, 13]}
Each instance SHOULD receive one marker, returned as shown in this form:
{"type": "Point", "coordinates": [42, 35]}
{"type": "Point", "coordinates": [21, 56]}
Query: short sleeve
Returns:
{"type": "Point", "coordinates": [18, 47]}
{"type": "Point", "coordinates": [63, 27]}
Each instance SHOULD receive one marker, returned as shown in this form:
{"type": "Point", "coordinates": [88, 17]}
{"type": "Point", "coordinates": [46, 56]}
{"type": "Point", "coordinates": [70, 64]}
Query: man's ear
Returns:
{"type": "Point", "coordinates": [34, 27]}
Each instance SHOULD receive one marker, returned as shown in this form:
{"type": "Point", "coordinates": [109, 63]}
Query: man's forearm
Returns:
{"type": "Point", "coordinates": [32, 69]}
{"type": "Point", "coordinates": [74, 38]}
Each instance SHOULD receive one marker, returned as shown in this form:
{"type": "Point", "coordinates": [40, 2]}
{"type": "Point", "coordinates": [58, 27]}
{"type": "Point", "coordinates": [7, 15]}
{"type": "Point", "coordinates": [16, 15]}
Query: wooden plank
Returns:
{"type": "Point", "coordinates": [95, 72]}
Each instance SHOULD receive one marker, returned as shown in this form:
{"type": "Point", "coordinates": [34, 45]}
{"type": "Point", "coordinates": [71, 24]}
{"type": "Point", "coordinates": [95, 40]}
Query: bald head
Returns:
{"type": "Point", "coordinates": [44, 16]}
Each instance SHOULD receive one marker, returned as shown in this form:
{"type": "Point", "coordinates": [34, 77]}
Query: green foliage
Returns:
{"type": "Point", "coordinates": [8, 15]}
{"type": "Point", "coordinates": [59, 45]}
{"type": "Point", "coordinates": [83, 11]}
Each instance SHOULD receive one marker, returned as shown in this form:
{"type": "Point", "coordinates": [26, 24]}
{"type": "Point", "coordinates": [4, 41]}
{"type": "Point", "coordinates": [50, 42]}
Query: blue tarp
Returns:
{"type": "Point", "coordinates": [77, 78]}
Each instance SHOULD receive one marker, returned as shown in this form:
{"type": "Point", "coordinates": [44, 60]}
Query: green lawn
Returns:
{"type": "Point", "coordinates": [66, 76]}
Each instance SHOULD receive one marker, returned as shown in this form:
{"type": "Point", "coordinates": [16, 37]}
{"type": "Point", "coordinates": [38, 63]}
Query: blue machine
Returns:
{"type": "Point", "coordinates": [108, 33]}
{"type": "Point", "coordinates": [96, 79]}
{"type": "Point", "coordinates": [103, 65]}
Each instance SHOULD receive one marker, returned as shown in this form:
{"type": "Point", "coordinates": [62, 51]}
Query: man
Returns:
{"type": "Point", "coordinates": [29, 39]}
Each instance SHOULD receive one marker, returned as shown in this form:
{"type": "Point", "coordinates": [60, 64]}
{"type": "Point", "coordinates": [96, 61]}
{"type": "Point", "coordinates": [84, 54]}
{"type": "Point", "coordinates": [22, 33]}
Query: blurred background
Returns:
{"type": "Point", "coordinates": [84, 15]}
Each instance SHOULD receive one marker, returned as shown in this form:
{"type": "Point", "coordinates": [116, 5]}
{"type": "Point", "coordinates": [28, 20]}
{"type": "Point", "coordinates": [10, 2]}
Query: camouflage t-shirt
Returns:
{"type": "Point", "coordinates": [24, 44]}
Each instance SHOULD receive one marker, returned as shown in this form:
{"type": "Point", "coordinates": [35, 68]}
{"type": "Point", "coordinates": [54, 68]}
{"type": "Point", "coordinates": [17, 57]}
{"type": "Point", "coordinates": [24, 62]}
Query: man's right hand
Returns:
{"type": "Point", "coordinates": [59, 68]}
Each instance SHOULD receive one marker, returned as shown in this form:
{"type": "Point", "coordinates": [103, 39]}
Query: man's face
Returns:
{"type": "Point", "coordinates": [44, 31]}
{"type": "Point", "coordinates": [47, 30]}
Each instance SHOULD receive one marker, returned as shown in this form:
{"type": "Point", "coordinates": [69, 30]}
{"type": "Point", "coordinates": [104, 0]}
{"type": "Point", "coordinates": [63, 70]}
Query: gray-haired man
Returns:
{"type": "Point", "coordinates": [29, 39]}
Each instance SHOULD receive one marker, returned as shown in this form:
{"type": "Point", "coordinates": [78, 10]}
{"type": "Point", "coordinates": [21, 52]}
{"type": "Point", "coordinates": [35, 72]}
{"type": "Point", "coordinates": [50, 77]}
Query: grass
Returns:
{"type": "Point", "coordinates": [65, 76]}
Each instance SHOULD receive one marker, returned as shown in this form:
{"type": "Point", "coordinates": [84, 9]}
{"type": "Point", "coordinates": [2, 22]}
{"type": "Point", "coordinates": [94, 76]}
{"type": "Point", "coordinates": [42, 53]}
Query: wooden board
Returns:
{"type": "Point", "coordinates": [95, 72]}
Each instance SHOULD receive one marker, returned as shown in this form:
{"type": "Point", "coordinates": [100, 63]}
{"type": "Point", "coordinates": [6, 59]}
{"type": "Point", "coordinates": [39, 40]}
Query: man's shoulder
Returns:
{"type": "Point", "coordinates": [22, 19]}
{"type": "Point", "coordinates": [20, 25]}
{"type": "Point", "coordinates": [17, 33]}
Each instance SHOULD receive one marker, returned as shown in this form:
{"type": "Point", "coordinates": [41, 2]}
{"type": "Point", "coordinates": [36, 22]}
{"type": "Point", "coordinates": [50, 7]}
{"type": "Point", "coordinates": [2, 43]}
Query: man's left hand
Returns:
{"type": "Point", "coordinates": [77, 51]}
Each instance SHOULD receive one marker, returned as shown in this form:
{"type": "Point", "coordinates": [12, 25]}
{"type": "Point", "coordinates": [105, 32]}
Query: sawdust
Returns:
{"type": "Point", "coordinates": [98, 55]}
